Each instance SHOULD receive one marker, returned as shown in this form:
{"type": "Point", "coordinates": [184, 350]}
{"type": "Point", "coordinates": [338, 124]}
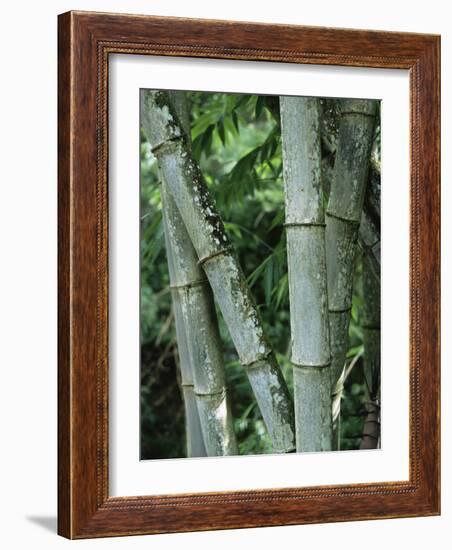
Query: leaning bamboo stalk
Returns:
{"type": "Point", "coordinates": [371, 336]}
{"type": "Point", "coordinates": [206, 231]}
{"type": "Point", "coordinates": [305, 229]}
{"type": "Point", "coordinates": [197, 331]}
{"type": "Point", "coordinates": [343, 219]}
{"type": "Point", "coordinates": [193, 431]}
{"type": "Point", "coordinates": [198, 326]}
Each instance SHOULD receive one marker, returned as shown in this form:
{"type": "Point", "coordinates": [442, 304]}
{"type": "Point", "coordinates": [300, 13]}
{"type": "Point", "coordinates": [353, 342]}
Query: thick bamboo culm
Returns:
{"type": "Point", "coordinates": [305, 230]}
{"type": "Point", "coordinates": [371, 336]}
{"type": "Point", "coordinates": [197, 328]}
{"type": "Point", "coordinates": [205, 228]}
{"type": "Point", "coordinates": [343, 217]}
{"type": "Point", "coordinates": [369, 232]}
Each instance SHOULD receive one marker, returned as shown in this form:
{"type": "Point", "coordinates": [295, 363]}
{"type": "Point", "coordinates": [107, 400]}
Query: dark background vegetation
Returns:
{"type": "Point", "coordinates": [237, 142]}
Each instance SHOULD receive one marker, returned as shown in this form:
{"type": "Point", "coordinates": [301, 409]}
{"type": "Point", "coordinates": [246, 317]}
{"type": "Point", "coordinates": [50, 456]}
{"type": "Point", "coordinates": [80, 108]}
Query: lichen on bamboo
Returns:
{"type": "Point", "coordinates": [213, 248]}
{"type": "Point", "coordinates": [196, 325]}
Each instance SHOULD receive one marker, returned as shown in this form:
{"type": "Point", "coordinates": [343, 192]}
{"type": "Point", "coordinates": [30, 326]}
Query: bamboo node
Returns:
{"type": "Point", "coordinates": [343, 310]}
{"type": "Point", "coordinates": [205, 259]}
{"type": "Point", "coordinates": [363, 113]}
{"type": "Point", "coordinates": [307, 366]}
{"type": "Point", "coordinates": [304, 224]}
{"type": "Point", "coordinates": [155, 149]}
{"type": "Point", "coordinates": [258, 360]}
{"type": "Point", "coordinates": [188, 285]}
{"type": "Point", "coordinates": [211, 394]}
{"type": "Point", "coordinates": [342, 218]}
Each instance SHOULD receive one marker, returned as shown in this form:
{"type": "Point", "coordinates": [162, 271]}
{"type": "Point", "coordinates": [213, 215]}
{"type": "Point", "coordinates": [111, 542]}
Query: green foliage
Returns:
{"type": "Point", "coordinates": [236, 140]}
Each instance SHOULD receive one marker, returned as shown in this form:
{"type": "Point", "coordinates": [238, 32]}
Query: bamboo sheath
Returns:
{"type": "Point", "coordinates": [305, 228]}
{"type": "Point", "coordinates": [343, 218]}
{"type": "Point", "coordinates": [196, 327]}
{"type": "Point", "coordinates": [371, 336]}
{"type": "Point", "coordinates": [205, 228]}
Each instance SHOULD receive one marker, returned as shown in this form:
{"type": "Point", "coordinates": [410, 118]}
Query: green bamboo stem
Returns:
{"type": "Point", "coordinates": [343, 219]}
{"type": "Point", "coordinates": [372, 362]}
{"type": "Point", "coordinates": [206, 231]}
{"type": "Point", "coordinates": [305, 228]}
{"type": "Point", "coordinates": [202, 366]}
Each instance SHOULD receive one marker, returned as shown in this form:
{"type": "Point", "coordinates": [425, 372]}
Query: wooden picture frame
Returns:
{"type": "Point", "coordinates": [86, 40]}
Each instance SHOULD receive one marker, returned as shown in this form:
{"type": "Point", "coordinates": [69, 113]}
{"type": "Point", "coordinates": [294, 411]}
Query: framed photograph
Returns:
{"type": "Point", "coordinates": [249, 262]}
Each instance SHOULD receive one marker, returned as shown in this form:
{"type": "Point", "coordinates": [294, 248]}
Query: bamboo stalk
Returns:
{"type": "Point", "coordinates": [193, 299]}
{"type": "Point", "coordinates": [343, 219]}
{"type": "Point", "coordinates": [369, 234]}
{"type": "Point", "coordinates": [371, 335]}
{"type": "Point", "coordinates": [197, 327]}
{"type": "Point", "coordinates": [193, 430]}
{"type": "Point", "coordinates": [206, 231]}
{"type": "Point", "coordinates": [369, 230]}
{"type": "Point", "coordinates": [305, 227]}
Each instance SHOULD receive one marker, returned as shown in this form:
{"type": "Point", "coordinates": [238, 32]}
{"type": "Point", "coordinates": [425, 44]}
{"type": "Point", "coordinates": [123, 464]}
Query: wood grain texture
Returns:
{"type": "Point", "coordinates": [85, 41]}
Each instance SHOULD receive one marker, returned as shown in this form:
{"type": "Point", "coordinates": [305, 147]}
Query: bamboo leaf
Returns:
{"type": "Point", "coordinates": [260, 104]}
{"type": "Point", "coordinates": [221, 133]}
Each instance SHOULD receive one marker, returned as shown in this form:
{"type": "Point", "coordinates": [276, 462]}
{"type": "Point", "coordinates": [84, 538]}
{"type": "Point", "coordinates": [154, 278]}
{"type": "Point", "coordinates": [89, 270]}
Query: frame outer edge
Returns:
{"type": "Point", "coordinates": [83, 511]}
{"type": "Point", "coordinates": [64, 293]}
